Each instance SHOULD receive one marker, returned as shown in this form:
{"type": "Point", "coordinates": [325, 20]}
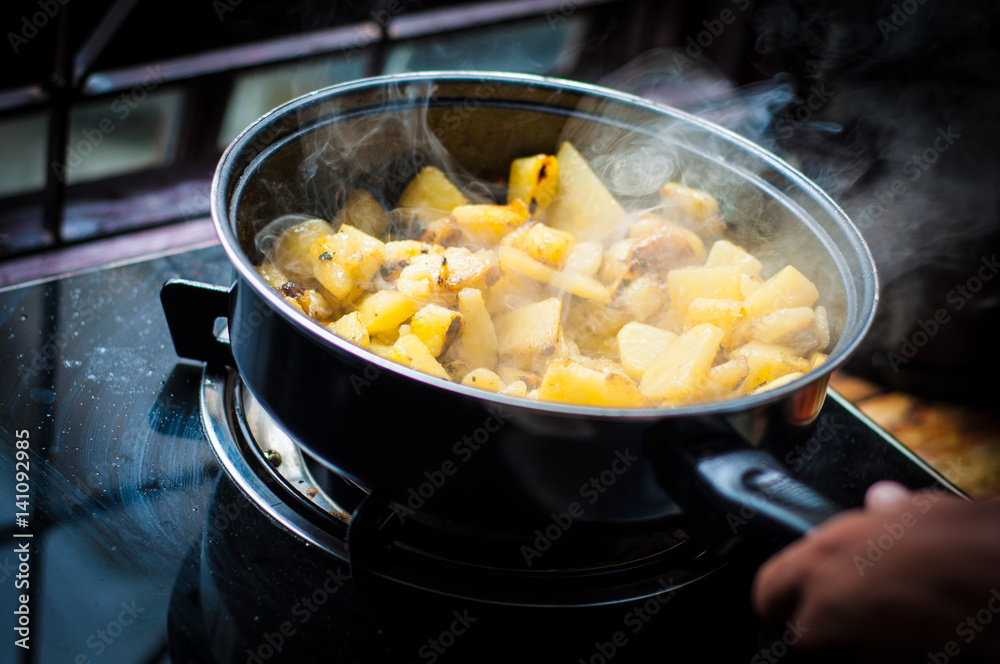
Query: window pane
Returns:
{"type": "Point", "coordinates": [123, 133]}
{"type": "Point", "coordinates": [22, 168]}
{"type": "Point", "coordinates": [535, 46]}
{"type": "Point", "coordinates": [257, 92]}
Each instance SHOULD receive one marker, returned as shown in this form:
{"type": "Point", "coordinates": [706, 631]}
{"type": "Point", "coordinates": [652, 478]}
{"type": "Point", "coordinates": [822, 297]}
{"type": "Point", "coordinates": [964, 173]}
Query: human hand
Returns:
{"type": "Point", "coordinates": [911, 577]}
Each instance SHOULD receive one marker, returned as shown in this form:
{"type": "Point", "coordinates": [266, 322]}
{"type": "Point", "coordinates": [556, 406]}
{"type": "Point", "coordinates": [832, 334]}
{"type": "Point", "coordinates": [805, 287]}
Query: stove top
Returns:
{"type": "Point", "coordinates": [126, 538]}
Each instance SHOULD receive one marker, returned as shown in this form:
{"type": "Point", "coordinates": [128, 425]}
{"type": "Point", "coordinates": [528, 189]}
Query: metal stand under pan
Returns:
{"type": "Point", "coordinates": [351, 524]}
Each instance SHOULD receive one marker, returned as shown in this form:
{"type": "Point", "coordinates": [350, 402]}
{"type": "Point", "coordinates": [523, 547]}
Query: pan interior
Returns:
{"type": "Point", "coordinates": [311, 154]}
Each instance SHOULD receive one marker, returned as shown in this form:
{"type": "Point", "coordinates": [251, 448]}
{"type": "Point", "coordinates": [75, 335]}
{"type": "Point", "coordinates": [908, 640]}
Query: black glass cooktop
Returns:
{"type": "Point", "coordinates": [123, 541]}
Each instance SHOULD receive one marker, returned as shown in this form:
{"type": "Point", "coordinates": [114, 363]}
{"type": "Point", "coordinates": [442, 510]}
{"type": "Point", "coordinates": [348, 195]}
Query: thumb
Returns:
{"type": "Point", "coordinates": [885, 495]}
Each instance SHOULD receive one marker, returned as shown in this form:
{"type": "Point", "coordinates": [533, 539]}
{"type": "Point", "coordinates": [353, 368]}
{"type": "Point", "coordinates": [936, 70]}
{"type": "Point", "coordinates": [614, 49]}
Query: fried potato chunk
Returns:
{"type": "Point", "coordinates": [530, 333]}
{"type": "Point", "coordinates": [569, 381]}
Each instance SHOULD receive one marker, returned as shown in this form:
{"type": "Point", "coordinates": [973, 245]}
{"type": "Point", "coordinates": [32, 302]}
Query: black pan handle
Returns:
{"type": "Point", "coordinates": [757, 489]}
{"type": "Point", "coordinates": [191, 309]}
{"type": "Point", "coordinates": [729, 489]}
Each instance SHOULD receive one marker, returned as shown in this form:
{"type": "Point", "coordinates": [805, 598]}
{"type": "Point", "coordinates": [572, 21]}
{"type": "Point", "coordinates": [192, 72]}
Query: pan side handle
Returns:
{"type": "Point", "coordinates": [730, 489]}
{"type": "Point", "coordinates": [191, 309]}
{"type": "Point", "coordinates": [755, 487]}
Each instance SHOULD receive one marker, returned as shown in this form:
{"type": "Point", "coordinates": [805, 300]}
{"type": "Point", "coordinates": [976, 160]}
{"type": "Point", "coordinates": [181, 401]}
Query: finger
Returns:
{"type": "Point", "coordinates": [886, 496]}
{"type": "Point", "coordinates": [777, 584]}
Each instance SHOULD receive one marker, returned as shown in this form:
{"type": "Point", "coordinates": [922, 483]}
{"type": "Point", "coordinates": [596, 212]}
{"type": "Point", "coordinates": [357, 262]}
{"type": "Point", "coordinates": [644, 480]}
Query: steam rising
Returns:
{"type": "Point", "coordinates": [634, 152]}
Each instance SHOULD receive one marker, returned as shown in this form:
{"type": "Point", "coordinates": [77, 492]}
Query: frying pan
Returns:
{"type": "Point", "coordinates": [463, 458]}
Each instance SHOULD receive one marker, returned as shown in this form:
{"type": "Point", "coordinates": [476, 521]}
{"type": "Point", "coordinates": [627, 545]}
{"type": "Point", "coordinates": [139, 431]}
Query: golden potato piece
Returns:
{"type": "Point", "coordinates": [534, 181]}
{"type": "Point", "coordinates": [643, 298]}
{"type": "Point", "coordinates": [795, 328]}
{"type": "Point", "coordinates": [431, 195]}
{"type": "Point", "coordinates": [383, 350]}
{"type": "Point", "coordinates": [290, 252]}
{"type": "Point", "coordinates": [336, 280]}
{"type": "Point", "coordinates": [515, 389]}
{"type": "Point", "coordinates": [586, 258]}
{"type": "Point", "coordinates": [822, 328]}
{"type": "Point", "coordinates": [344, 263]}
{"type": "Point", "coordinates": [273, 275]}
{"type": "Point", "coordinates": [384, 311]}
{"type": "Point", "coordinates": [569, 381]}
{"type": "Point", "coordinates": [424, 278]}
{"type": "Point", "coordinates": [513, 374]}
{"type": "Point", "coordinates": [546, 245]}
{"type": "Point", "coordinates": [528, 335]}
{"type": "Point", "coordinates": [694, 208]}
{"type": "Point", "coordinates": [437, 327]}
{"type": "Point", "coordinates": [788, 288]}
{"type": "Point", "coordinates": [679, 374]}
{"type": "Point", "coordinates": [409, 350]}
{"type": "Point", "coordinates": [767, 362]}
{"type": "Point", "coordinates": [479, 339]}
{"type": "Point", "coordinates": [351, 327]}
{"type": "Point", "coordinates": [651, 224]}
{"type": "Point", "coordinates": [749, 285]}
{"type": "Point", "coordinates": [483, 379]}
{"type": "Point", "coordinates": [616, 261]}
{"type": "Point", "coordinates": [310, 302]}
{"type": "Point", "coordinates": [592, 327]}
{"type": "Point", "coordinates": [397, 254]}
{"type": "Point", "coordinates": [690, 283]}
{"type": "Point", "coordinates": [639, 345]}
{"type": "Point", "coordinates": [777, 382]}
{"type": "Point", "coordinates": [725, 252]}
{"type": "Point", "coordinates": [363, 212]}
{"type": "Point", "coordinates": [724, 314]}
{"type": "Point", "coordinates": [514, 260]}
{"type": "Point", "coordinates": [512, 290]}
{"type": "Point", "coordinates": [666, 249]}
{"type": "Point", "coordinates": [584, 206]}
{"type": "Point", "coordinates": [816, 359]}
{"type": "Point", "coordinates": [726, 377]}
{"type": "Point", "coordinates": [443, 232]}
{"type": "Point", "coordinates": [566, 348]}
{"type": "Point", "coordinates": [465, 269]}
{"type": "Point", "coordinates": [485, 225]}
